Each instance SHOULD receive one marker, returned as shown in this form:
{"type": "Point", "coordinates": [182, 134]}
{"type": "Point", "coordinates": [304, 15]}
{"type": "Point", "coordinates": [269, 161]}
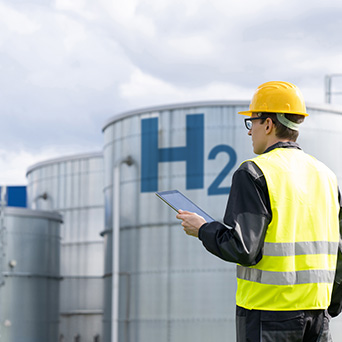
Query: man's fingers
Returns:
{"type": "Point", "coordinates": [182, 214]}
{"type": "Point", "coordinates": [179, 216]}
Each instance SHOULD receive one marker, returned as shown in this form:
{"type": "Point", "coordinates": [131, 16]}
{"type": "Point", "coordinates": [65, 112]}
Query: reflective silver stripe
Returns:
{"type": "Point", "coordinates": [285, 278]}
{"type": "Point", "coordinates": [300, 248]}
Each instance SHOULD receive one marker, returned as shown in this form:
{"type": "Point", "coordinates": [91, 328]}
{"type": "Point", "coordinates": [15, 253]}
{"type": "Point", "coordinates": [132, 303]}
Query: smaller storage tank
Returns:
{"type": "Point", "coordinates": [29, 275]}
{"type": "Point", "coordinates": [73, 186]}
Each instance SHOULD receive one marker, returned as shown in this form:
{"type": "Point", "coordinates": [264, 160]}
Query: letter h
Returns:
{"type": "Point", "coordinates": [192, 153]}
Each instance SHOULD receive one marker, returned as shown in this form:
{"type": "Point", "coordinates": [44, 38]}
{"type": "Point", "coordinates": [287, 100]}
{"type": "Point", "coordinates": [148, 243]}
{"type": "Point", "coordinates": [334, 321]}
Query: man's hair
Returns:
{"type": "Point", "coordinates": [282, 131]}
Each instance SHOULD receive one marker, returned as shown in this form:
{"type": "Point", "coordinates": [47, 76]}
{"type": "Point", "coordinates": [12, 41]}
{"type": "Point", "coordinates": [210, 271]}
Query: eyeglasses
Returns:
{"type": "Point", "coordinates": [249, 123]}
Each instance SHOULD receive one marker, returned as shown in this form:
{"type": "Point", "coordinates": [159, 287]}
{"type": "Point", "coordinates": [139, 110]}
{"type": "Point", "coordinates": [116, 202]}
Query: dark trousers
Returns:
{"type": "Point", "coordinates": [282, 326]}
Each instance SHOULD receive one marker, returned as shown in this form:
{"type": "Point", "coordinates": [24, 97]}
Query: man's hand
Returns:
{"type": "Point", "coordinates": [191, 222]}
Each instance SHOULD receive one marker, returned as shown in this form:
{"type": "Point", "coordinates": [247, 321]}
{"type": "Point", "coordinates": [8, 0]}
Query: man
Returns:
{"type": "Point", "coordinates": [282, 228]}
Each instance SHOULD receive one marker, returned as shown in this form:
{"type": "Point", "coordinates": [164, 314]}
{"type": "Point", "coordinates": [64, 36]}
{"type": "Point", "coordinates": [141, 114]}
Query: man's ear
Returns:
{"type": "Point", "coordinates": [269, 125]}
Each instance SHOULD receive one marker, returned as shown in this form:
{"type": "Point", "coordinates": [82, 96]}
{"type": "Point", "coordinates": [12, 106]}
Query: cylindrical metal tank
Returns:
{"type": "Point", "coordinates": [29, 268]}
{"type": "Point", "coordinates": [73, 186]}
{"type": "Point", "coordinates": [161, 285]}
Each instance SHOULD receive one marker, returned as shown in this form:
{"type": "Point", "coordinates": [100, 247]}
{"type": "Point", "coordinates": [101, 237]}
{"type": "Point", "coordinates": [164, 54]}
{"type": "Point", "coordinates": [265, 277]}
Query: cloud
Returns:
{"type": "Point", "coordinates": [240, 43]}
{"type": "Point", "coordinates": [14, 164]}
{"type": "Point", "coordinates": [59, 79]}
{"type": "Point", "coordinates": [148, 91]}
{"type": "Point", "coordinates": [67, 66]}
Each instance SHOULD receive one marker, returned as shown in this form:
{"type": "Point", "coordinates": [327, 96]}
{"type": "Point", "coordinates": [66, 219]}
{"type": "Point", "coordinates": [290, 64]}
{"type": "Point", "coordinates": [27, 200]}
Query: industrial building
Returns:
{"type": "Point", "coordinates": [127, 271]}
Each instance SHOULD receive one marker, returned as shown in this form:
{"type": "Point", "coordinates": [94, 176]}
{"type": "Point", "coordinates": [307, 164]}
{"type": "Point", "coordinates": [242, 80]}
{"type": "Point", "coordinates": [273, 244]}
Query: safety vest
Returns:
{"type": "Point", "coordinates": [298, 265]}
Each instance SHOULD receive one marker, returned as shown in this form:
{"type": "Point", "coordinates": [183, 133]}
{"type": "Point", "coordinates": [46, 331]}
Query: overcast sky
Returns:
{"type": "Point", "coordinates": [67, 66]}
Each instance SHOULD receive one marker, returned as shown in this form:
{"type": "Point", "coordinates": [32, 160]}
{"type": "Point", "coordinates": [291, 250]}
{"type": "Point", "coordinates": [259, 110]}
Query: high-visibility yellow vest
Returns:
{"type": "Point", "coordinates": [298, 265]}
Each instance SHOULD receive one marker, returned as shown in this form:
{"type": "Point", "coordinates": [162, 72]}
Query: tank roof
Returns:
{"type": "Point", "coordinates": [64, 159]}
{"type": "Point", "coordinates": [24, 212]}
{"type": "Point", "coordinates": [185, 105]}
{"type": "Point", "coordinates": [120, 116]}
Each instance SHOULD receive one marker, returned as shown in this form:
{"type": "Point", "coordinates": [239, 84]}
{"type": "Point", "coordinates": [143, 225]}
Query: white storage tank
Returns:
{"type": "Point", "coordinates": [29, 275]}
{"type": "Point", "coordinates": [73, 186]}
{"type": "Point", "coordinates": [161, 285]}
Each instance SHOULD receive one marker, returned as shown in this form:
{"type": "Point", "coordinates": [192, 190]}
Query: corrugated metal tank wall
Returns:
{"type": "Point", "coordinates": [74, 187]}
{"type": "Point", "coordinates": [174, 288]}
{"type": "Point", "coordinates": [321, 136]}
{"type": "Point", "coordinates": [170, 288]}
{"type": "Point", "coordinates": [29, 288]}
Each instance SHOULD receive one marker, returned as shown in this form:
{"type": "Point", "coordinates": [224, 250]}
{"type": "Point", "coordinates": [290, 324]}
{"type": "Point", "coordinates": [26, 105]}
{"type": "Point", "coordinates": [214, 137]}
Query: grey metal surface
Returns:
{"type": "Point", "coordinates": [171, 289]}
{"type": "Point", "coordinates": [29, 291]}
{"type": "Point", "coordinates": [172, 107]}
{"type": "Point", "coordinates": [73, 186]}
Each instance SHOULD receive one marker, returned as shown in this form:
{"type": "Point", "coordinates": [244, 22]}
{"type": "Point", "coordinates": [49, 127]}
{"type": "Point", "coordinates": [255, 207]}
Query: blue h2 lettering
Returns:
{"type": "Point", "coordinates": [192, 153]}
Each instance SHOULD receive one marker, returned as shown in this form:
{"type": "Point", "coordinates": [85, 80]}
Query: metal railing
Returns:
{"type": "Point", "coordinates": [328, 87]}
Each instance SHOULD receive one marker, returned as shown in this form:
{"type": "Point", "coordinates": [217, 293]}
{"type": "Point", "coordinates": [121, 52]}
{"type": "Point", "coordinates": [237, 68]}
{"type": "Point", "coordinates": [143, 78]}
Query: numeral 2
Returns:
{"type": "Point", "coordinates": [214, 188]}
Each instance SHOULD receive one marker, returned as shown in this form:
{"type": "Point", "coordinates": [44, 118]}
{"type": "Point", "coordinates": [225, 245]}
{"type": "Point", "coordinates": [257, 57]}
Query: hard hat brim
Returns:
{"type": "Point", "coordinates": [250, 112]}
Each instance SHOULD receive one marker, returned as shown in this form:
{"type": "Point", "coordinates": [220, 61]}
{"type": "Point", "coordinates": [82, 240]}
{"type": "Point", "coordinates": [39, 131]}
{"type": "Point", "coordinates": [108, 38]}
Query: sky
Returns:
{"type": "Point", "coordinates": [67, 67]}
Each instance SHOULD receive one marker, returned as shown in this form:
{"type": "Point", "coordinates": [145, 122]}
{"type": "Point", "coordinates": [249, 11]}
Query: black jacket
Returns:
{"type": "Point", "coordinates": [248, 214]}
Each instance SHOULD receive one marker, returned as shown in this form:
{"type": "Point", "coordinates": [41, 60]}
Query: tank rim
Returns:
{"type": "Point", "coordinates": [63, 159]}
{"type": "Point", "coordinates": [184, 105]}
{"type": "Point", "coordinates": [25, 212]}
{"type": "Point", "coordinates": [332, 108]}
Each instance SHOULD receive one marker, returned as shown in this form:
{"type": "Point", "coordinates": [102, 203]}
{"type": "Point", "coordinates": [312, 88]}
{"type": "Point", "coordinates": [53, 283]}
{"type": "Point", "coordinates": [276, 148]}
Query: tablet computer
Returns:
{"type": "Point", "coordinates": [176, 200]}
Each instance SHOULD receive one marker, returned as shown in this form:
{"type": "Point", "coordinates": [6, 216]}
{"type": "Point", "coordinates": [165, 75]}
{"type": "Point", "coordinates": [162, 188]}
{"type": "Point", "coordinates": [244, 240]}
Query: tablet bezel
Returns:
{"type": "Point", "coordinates": [173, 205]}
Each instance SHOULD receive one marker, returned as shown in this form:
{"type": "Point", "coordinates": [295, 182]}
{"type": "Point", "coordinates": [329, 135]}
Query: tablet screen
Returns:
{"type": "Point", "coordinates": [176, 200]}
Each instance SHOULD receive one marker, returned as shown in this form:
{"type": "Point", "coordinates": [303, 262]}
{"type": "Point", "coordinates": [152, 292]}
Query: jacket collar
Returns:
{"type": "Point", "coordinates": [283, 144]}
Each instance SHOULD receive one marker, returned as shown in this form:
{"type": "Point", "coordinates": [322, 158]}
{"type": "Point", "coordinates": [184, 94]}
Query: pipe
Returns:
{"type": "Point", "coordinates": [115, 246]}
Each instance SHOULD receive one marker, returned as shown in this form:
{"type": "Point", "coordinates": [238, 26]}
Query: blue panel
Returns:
{"type": "Point", "coordinates": [16, 196]}
{"type": "Point", "coordinates": [195, 151]}
{"type": "Point", "coordinates": [149, 155]}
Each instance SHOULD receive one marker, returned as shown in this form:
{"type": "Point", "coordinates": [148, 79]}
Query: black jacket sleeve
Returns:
{"type": "Point", "coordinates": [335, 307]}
{"type": "Point", "coordinates": [241, 238]}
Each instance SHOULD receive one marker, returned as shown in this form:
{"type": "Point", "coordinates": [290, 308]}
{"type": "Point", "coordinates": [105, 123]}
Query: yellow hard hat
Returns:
{"type": "Point", "coordinates": [277, 97]}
